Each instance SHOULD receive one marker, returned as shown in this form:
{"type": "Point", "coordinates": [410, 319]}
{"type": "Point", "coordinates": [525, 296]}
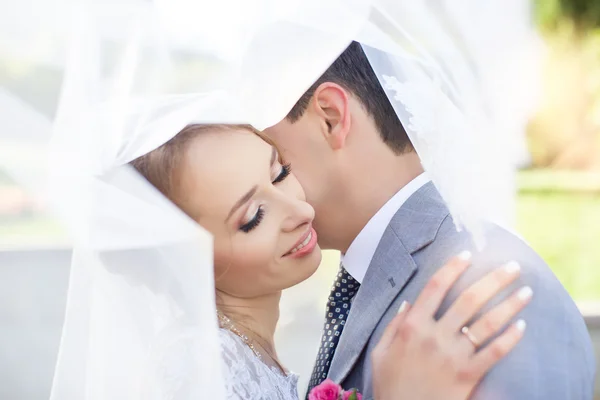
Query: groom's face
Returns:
{"type": "Point", "coordinates": [312, 145]}
{"type": "Point", "coordinates": [299, 145]}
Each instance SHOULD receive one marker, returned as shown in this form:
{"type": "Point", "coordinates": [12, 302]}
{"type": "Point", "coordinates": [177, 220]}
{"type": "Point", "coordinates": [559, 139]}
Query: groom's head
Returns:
{"type": "Point", "coordinates": [343, 121]}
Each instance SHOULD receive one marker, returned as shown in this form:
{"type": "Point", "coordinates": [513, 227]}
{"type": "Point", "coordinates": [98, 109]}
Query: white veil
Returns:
{"type": "Point", "coordinates": [140, 320]}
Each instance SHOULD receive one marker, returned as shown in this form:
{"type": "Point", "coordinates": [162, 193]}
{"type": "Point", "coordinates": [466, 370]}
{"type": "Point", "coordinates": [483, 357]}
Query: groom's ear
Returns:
{"type": "Point", "coordinates": [331, 105]}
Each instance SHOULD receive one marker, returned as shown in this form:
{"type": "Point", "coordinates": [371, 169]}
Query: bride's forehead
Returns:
{"type": "Point", "coordinates": [236, 157]}
{"type": "Point", "coordinates": [230, 144]}
{"type": "Point", "coordinates": [221, 169]}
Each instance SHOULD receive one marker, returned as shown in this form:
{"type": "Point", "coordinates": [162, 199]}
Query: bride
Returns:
{"type": "Point", "coordinates": [232, 181]}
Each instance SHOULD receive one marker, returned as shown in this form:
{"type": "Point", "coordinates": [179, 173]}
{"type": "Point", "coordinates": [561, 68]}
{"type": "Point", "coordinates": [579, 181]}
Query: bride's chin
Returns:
{"type": "Point", "coordinates": [308, 266]}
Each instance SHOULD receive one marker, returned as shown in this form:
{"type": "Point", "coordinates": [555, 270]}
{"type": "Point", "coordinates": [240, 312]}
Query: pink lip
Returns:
{"type": "Point", "coordinates": [310, 246]}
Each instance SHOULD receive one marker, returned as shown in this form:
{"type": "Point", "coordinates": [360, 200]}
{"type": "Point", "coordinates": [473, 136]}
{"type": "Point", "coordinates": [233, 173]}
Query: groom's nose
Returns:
{"type": "Point", "coordinates": [297, 213]}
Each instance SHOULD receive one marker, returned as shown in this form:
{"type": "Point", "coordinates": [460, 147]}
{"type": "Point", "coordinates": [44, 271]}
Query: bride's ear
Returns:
{"type": "Point", "coordinates": [331, 105]}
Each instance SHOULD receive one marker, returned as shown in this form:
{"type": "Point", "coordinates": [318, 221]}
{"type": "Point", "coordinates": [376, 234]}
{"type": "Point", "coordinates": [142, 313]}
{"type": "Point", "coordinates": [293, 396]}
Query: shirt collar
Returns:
{"type": "Point", "coordinates": [362, 249]}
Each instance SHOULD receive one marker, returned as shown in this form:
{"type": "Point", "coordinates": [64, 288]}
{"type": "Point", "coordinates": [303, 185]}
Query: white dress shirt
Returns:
{"type": "Point", "coordinates": [361, 251]}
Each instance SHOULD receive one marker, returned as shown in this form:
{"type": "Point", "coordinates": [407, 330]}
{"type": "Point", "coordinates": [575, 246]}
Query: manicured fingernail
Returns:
{"type": "Point", "coordinates": [521, 325]}
{"type": "Point", "coordinates": [465, 255]}
{"type": "Point", "coordinates": [525, 293]}
{"type": "Point", "coordinates": [512, 267]}
{"type": "Point", "coordinates": [402, 307]}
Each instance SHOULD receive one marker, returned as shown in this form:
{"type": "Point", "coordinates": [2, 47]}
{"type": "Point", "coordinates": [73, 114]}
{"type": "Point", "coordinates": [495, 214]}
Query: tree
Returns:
{"type": "Point", "coordinates": [585, 14]}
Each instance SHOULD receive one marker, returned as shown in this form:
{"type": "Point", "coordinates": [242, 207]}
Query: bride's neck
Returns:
{"type": "Point", "coordinates": [259, 315]}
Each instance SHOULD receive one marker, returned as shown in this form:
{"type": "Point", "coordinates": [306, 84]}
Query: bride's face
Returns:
{"type": "Point", "coordinates": [235, 186]}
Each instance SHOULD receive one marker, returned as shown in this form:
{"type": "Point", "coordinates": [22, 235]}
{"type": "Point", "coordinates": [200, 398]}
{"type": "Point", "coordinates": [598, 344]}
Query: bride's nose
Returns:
{"type": "Point", "coordinates": [298, 212]}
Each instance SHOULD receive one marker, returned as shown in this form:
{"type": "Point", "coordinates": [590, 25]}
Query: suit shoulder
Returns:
{"type": "Point", "coordinates": [501, 247]}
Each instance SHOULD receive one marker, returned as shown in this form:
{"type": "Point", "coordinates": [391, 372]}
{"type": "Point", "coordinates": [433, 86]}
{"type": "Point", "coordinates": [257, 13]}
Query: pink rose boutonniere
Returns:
{"type": "Point", "coordinates": [329, 390]}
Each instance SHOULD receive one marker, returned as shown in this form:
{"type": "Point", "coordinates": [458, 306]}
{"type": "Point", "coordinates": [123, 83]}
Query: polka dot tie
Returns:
{"type": "Point", "coordinates": [338, 308]}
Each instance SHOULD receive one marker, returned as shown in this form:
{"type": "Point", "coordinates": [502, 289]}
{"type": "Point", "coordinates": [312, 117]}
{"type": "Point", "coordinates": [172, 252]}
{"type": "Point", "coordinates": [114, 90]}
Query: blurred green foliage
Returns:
{"type": "Point", "coordinates": [558, 208]}
{"type": "Point", "coordinates": [565, 132]}
{"type": "Point", "coordinates": [558, 214]}
{"type": "Point", "coordinates": [585, 14]}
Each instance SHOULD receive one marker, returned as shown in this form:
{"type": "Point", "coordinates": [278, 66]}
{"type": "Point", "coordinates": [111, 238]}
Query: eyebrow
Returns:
{"type": "Point", "coordinates": [242, 201]}
{"type": "Point", "coordinates": [245, 198]}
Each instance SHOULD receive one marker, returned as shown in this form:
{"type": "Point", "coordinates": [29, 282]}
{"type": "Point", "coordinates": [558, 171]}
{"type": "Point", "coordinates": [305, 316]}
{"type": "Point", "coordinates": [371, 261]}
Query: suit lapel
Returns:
{"type": "Point", "coordinates": [413, 227]}
{"type": "Point", "coordinates": [389, 271]}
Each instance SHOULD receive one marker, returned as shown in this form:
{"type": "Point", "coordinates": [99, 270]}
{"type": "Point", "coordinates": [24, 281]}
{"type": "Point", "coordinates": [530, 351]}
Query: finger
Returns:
{"type": "Point", "coordinates": [487, 357]}
{"type": "Point", "coordinates": [391, 330]}
{"type": "Point", "coordinates": [470, 301]}
{"type": "Point", "coordinates": [495, 320]}
{"type": "Point", "coordinates": [433, 293]}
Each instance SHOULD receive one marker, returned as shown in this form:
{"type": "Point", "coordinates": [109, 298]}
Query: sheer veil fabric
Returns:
{"type": "Point", "coordinates": [140, 321]}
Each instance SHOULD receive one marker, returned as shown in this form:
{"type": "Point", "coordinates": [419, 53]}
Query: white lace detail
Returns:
{"type": "Point", "coordinates": [248, 378]}
{"type": "Point", "coordinates": [445, 135]}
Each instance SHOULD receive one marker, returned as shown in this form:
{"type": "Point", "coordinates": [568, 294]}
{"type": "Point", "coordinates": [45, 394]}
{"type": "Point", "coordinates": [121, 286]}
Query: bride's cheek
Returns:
{"type": "Point", "coordinates": [248, 256]}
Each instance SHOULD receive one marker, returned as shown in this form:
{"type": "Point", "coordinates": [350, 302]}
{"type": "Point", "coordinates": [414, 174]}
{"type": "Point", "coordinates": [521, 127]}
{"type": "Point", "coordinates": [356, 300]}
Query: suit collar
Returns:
{"type": "Point", "coordinates": [418, 221]}
{"type": "Point", "coordinates": [363, 247]}
{"type": "Point", "coordinates": [413, 227]}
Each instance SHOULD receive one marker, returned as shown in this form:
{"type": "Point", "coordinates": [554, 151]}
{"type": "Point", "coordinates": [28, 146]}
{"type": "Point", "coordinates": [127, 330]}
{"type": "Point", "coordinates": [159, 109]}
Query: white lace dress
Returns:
{"type": "Point", "coordinates": [248, 378]}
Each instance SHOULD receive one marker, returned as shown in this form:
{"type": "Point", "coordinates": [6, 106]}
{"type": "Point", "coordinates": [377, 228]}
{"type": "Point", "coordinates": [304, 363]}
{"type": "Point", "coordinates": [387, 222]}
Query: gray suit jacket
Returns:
{"type": "Point", "coordinates": [553, 361]}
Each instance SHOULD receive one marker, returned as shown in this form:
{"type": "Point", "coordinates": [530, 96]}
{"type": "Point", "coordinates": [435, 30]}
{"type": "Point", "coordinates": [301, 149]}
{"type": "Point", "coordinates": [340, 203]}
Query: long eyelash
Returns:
{"type": "Point", "coordinates": [285, 172]}
{"type": "Point", "coordinates": [254, 222]}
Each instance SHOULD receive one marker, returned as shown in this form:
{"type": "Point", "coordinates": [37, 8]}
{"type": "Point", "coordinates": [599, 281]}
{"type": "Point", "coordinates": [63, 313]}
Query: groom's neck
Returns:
{"type": "Point", "coordinates": [372, 183]}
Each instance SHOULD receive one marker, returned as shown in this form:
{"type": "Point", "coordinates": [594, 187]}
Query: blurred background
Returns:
{"type": "Point", "coordinates": [557, 197]}
{"type": "Point", "coordinates": [559, 186]}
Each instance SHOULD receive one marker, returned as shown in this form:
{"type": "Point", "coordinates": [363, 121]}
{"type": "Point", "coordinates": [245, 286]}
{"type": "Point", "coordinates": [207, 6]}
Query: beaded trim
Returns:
{"type": "Point", "coordinates": [226, 323]}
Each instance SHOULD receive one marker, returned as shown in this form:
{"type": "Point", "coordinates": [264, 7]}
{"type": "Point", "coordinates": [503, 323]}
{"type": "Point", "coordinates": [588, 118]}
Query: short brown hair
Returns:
{"type": "Point", "coordinates": [353, 72]}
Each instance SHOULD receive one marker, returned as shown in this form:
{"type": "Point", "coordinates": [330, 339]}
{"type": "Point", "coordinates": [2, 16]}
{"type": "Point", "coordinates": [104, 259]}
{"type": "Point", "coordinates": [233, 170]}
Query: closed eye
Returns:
{"type": "Point", "coordinates": [254, 222]}
{"type": "Point", "coordinates": [260, 213]}
{"type": "Point", "coordinates": [285, 172]}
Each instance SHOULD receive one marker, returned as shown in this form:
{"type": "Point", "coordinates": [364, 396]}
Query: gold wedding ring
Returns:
{"type": "Point", "coordinates": [465, 331]}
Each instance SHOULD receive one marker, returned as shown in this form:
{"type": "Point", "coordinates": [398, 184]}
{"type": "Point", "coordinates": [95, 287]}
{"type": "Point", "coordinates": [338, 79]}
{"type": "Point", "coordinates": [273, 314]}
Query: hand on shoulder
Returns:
{"type": "Point", "coordinates": [419, 357]}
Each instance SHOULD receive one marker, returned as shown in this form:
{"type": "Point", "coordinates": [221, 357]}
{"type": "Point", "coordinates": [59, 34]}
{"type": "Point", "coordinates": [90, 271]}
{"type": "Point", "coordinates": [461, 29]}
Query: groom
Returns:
{"type": "Point", "coordinates": [375, 204]}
